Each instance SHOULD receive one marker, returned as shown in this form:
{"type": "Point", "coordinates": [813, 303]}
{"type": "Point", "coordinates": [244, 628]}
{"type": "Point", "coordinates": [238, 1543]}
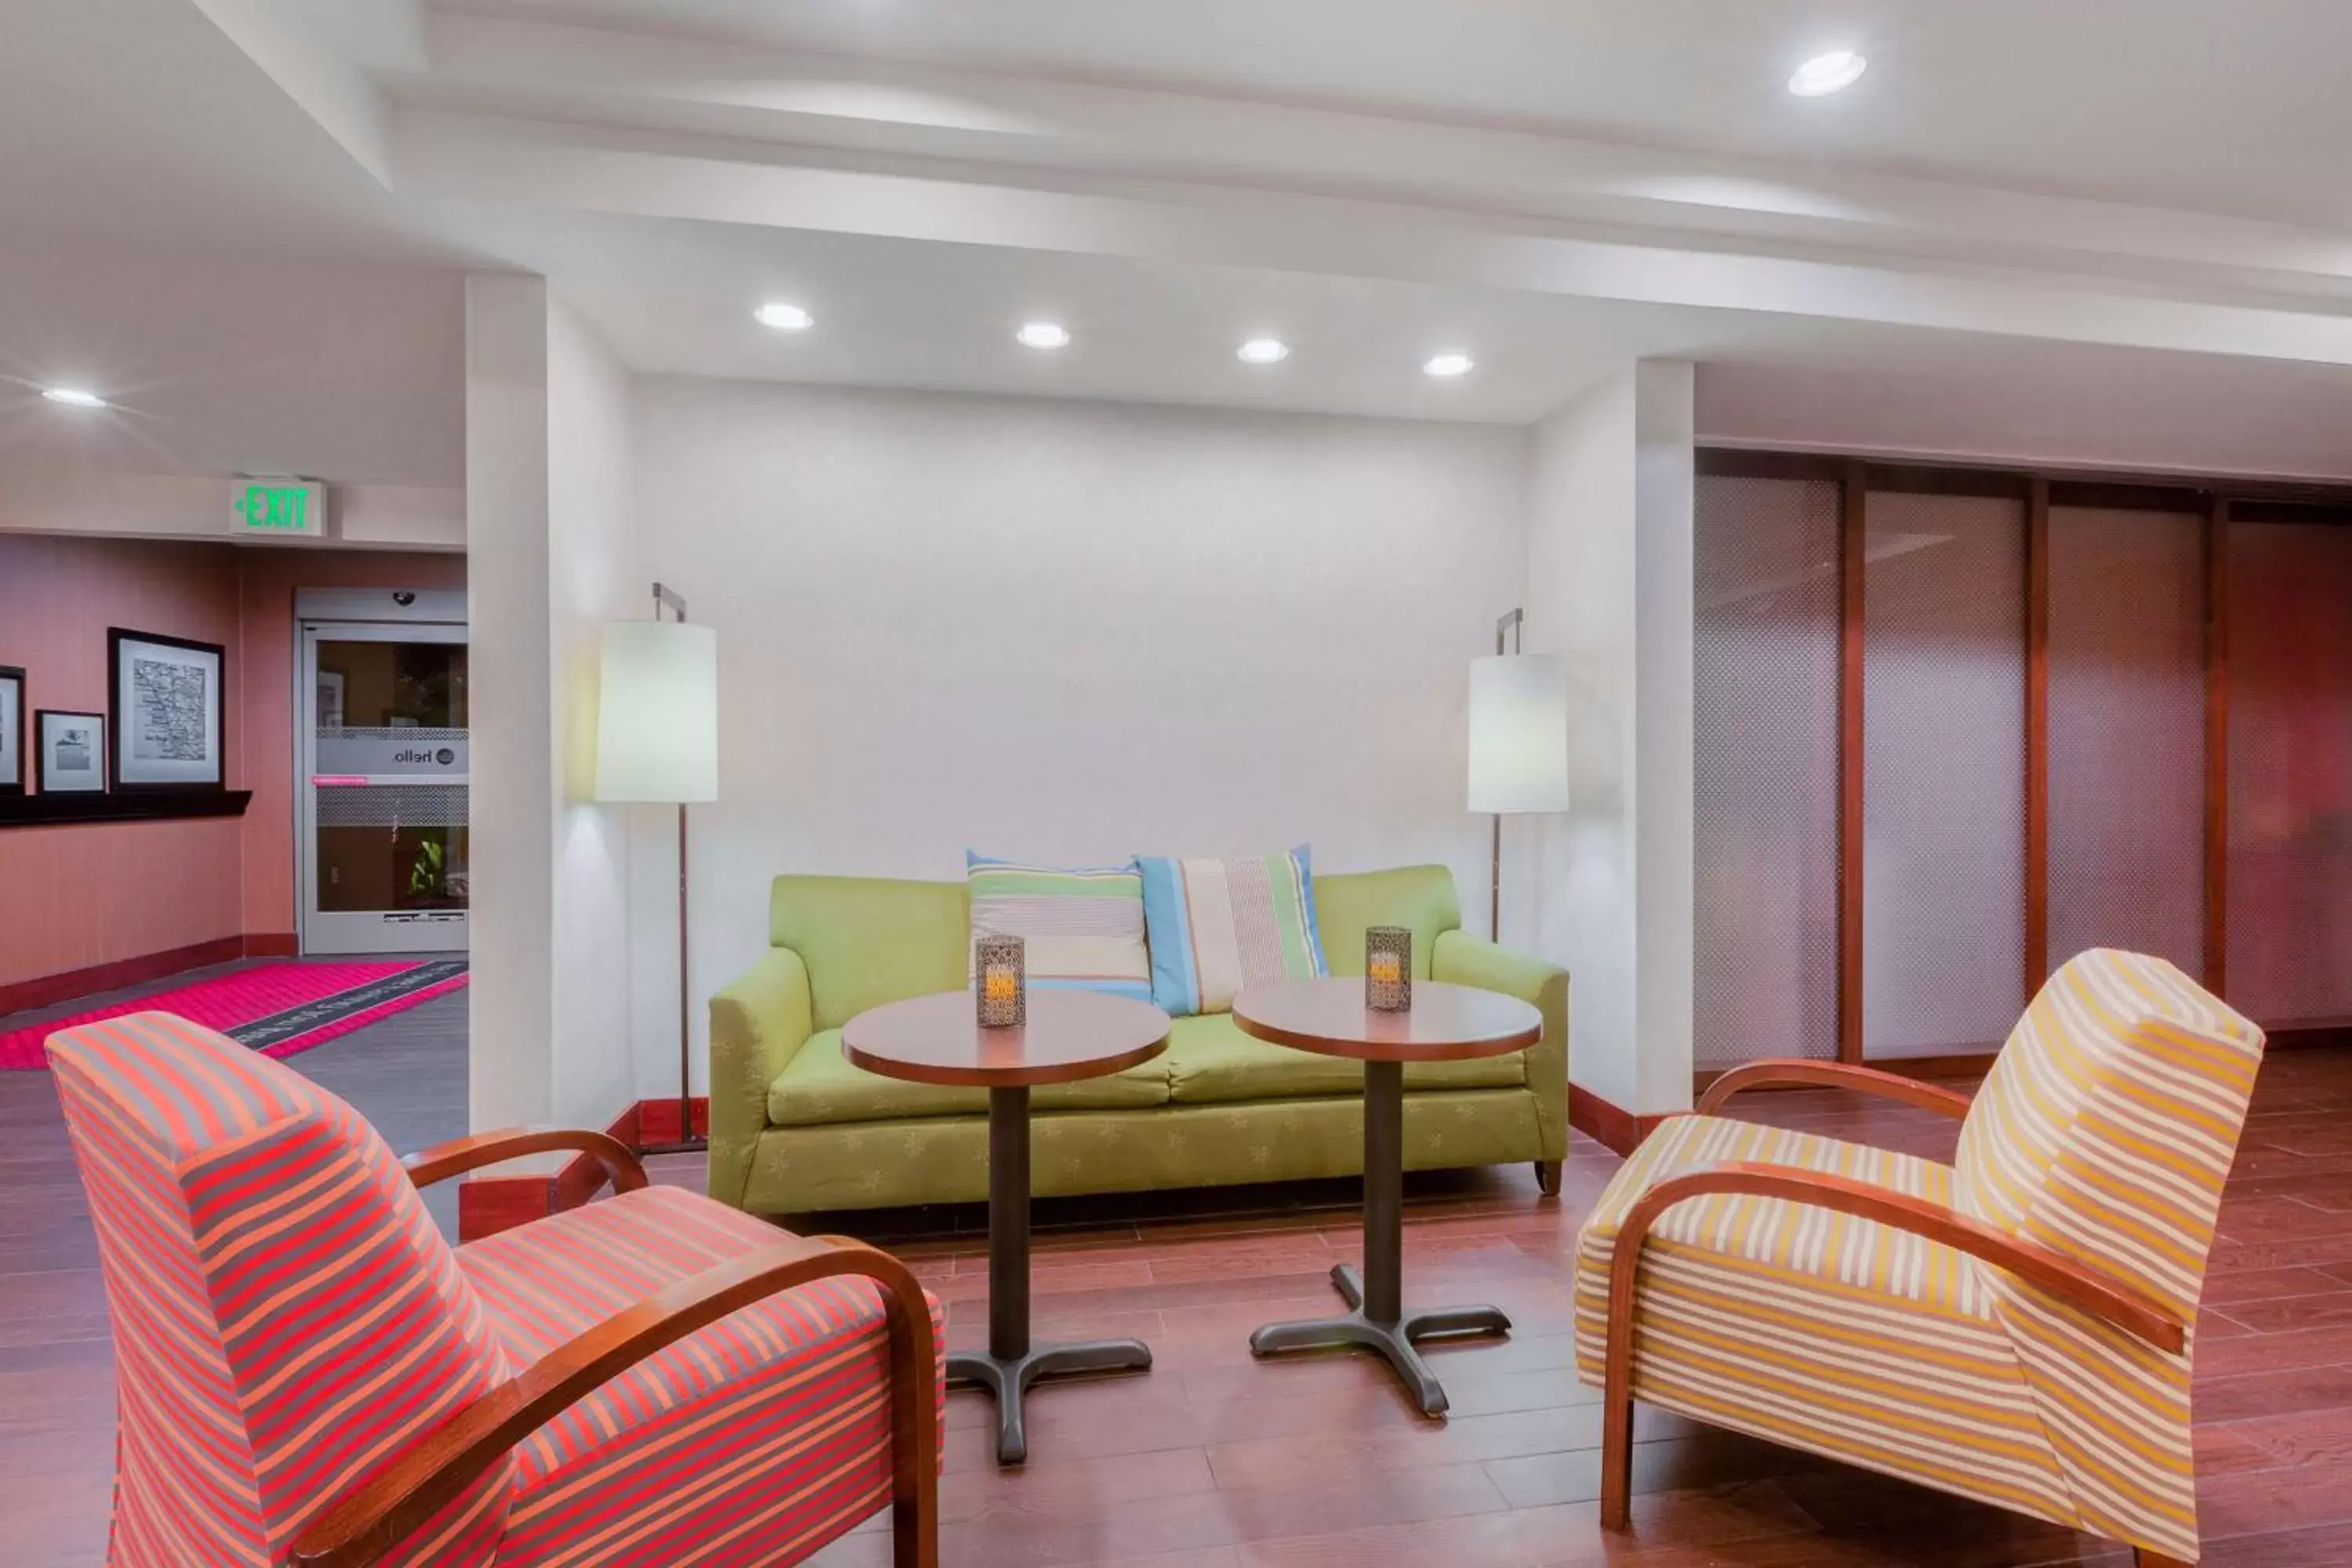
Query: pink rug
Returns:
{"type": "Point", "coordinates": [276, 1008]}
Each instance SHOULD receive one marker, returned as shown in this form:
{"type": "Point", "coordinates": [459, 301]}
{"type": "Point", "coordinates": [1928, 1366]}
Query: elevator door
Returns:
{"type": "Point", "coordinates": [385, 865]}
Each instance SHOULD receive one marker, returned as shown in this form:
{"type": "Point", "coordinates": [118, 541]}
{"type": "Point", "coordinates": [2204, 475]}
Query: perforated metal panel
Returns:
{"type": "Point", "coordinates": [1766, 743]}
{"type": "Point", "coordinates": [1943, 773]}
{"type": "Point", "coordinates": [2128, 733]}
{"type": "Point", "coordinates": [393, 805]}
{"type": "Point", "coordinates": [2290, 674]}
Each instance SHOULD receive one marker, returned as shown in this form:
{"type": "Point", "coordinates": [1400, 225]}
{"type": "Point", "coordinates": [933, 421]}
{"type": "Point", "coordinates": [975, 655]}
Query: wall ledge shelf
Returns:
{"type": "Point", "coordinates": [58, 810]}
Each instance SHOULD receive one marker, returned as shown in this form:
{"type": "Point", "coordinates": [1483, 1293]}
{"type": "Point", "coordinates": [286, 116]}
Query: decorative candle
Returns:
{"type": "Point", "coordinates": [999, 965]}
{"type": "Point", "coordinates": [1388, 969]}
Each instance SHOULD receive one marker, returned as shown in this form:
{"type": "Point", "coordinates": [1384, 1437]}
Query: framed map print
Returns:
{"type": "Point", "coordinates": [11, 730]}
{"type": "Point", "coordinates": [167, 712]}
{"type": "Point", "coordinates": [71, 750]}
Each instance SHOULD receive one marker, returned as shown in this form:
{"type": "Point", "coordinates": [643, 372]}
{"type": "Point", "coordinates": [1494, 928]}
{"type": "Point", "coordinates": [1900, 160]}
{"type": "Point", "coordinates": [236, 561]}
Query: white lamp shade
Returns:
{"type": "Point", "coordinates": [657, 713]}
{"type": "Point", "coordinates": [1519, 734]}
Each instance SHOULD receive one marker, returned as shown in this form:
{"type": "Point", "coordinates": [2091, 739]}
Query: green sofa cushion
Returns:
{"type": "Point", "coordinates": [1210, 1061]}
{"type": "Point", "coordinates": [820, 1086]}
{"type": "Point", "coordinates": [1418, 898]}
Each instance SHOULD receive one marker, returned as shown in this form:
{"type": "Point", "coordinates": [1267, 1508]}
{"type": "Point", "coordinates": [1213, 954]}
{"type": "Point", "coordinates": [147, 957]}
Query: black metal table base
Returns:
{"type": "Point", "coordinates": [1377, 1318]}
{"type": "Point", "coordinates": [1008, 1381]}
{"type": "Point", "coordinates": [1011, 1363]}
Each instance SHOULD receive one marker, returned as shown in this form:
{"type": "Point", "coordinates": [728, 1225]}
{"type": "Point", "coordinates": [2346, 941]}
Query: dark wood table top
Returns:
{"type": "Point", "coordinates": [1070, 1035]}
{"type": "Point", "coordinates": [1446, 1023]}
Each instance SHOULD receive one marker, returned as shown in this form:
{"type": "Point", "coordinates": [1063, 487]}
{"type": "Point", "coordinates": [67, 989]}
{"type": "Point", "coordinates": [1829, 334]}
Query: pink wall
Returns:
{"type": "Point", "coordinates": [77, 897]}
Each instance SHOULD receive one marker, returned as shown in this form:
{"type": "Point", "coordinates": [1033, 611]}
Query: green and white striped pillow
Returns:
{"type": "Point", "coordinates": [1080, 929]}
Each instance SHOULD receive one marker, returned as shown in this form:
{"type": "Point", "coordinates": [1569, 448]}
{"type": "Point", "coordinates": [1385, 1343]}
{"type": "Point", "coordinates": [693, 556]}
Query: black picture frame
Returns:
{"type": "Point", "coordinates": [14, 675]}
{"type": "Point", "coordinates": [119, 738]}
{"type": "Point", "coordinates": [41, 750]}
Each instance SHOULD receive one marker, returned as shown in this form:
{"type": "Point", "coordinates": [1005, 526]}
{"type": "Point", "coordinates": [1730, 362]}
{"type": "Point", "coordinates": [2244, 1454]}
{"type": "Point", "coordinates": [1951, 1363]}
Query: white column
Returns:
{"type": "Point", "coordinates": [549, 559]}
{"type": "Point", "coordinates": [1609, 588]}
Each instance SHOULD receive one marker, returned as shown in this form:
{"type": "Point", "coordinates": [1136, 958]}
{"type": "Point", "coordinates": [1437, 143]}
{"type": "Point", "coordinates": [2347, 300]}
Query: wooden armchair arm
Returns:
{"type": "Point", "coordinates": [1833, 1075]}
{"type": "Point", "coordinates": [2070, 1281]}
{"type": "Point", "coordinates": [361, 1525]}
{"type": "Point", "coordinates": [460, 1155]}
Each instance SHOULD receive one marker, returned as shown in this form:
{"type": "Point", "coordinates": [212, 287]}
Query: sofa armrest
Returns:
{"type": "Point", "coordinates": [1462, 959]}
{"type": "Point", "coordinates": [758, 1023]}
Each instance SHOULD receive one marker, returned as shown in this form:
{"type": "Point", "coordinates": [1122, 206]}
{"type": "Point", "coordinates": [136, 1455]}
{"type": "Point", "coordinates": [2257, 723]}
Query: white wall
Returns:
{"type": "Point", "coordinates": [1071, 631]}
{"type": "Point", "coordinates": [551, 558]}
{"type": "Point", "coordinates": [1609, 587]}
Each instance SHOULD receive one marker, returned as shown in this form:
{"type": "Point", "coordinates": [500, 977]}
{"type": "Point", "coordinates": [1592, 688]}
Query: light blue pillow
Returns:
{"type": "Point", "coordinates": [1219, 926]}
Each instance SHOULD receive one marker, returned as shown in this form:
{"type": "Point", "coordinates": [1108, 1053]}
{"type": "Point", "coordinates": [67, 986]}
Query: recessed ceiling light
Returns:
{"type": "Point", "coordinates": [73, 397]}
{"type": "Point", "coordinates": [1827, 73]}
{"type": "Point", "coordinates": [785, 318]}
{"type": "Point", "coordinates": [1447, 364]}
{"type": "Point", "coordinates": [1263, 351]}
{"type": "Point", "coordinates": [1044, 334]}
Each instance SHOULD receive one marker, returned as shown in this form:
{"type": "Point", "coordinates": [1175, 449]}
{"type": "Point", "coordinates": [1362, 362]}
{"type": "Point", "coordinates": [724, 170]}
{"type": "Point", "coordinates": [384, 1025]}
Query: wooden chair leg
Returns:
{"type": "Point", "coordinates": [1617, 1447]}
{"type": "Point", "coordinates": [1548, 1177]}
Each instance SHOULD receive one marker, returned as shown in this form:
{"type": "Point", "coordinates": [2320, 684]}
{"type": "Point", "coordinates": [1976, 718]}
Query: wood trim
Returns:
{"type": "Point", "coordinates": [488, 1205]}
{"type": "Point", "coordinates": [48, 990]}
{"type": "Point", "coordinates": [2305, 1037]}
{"type": "Point", "coordinates": [2187, 497]}
{"type": "Point", "coordinates": [2037, 738]}
{"type": "Point", "coordinates": [1954, 1064]}
{"type": "Point", "coordinates": [73, 808]}
{"type": "Point", "coordinates": [2217, 747]}
{"type": "Point", "coordinates": [1931, 479]}
{"type": "Point", "coordinates": [364, 1524]}
{"type": "Point", "coordinates": [1606, 1123]}
{"type": "Point", "coordinates": [1852, 503]}
{"type": "Point", "coordinates": [1749, 463]}
{"type": "Point", "coordinates": [2335, 513]}
{"type": "Point", "coordinates": [2081, 1287]}
{"type": "Point", "coordinates": [1794, 1071]}
{"type": "Point", "coordinates": [471, 1152]}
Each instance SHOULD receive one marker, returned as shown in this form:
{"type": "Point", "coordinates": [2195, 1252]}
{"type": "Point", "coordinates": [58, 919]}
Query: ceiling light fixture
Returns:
{"type": "Point", "coordinates": [1825, 74]}
{"type": "Point", "coordinates": [73, 397]}
{"type": "Point", "coordinates": [1044, 335]}
{"type": "Point", "coordinates": [1263, 351]}
{"type": "Point", "coordinates": [1447, 365]}
{"type": "Point", "coordinates": [785, 318]}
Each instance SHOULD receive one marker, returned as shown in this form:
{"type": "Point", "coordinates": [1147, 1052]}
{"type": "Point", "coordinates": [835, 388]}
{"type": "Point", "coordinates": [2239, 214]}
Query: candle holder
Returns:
{"type": "Point", "coordinates": [999, 981]}
{"type": "Point", "coordinates": [1388, 969]}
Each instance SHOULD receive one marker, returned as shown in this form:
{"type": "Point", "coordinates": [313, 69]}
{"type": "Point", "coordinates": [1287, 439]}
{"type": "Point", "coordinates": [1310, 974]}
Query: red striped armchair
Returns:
{"type": "Point", "coordinates": [308, 1374]}
{"type": "Point", "coordinates": [2016, 1327]}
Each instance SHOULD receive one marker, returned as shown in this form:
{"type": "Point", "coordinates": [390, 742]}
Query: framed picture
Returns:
{"type": "Point", "coordinates": [11, 730]}
{"type": "Point", "coordinates": [167, 712]}
{"type": "Point", "coordinates": [69, 750]}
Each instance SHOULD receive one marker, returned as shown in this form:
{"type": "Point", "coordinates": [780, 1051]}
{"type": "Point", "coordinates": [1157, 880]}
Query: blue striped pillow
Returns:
{"type": "Point", "coordinates": [1218, 926]}
{"type": "Point", "coordinates": [1079, 929]}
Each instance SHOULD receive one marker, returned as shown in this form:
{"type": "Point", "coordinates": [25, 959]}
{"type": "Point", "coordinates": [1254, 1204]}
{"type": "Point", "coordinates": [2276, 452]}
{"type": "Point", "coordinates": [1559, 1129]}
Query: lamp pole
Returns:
{"type": "Point", "coordinates": [687, 1142]}
{"type": "Point", "coordinates": [1513, 627]}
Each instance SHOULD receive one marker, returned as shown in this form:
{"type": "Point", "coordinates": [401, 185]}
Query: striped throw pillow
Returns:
{"type": "Point", "coordinates": [1218, 926]}
{"type": "Point", "coordinates": [1079, 929]}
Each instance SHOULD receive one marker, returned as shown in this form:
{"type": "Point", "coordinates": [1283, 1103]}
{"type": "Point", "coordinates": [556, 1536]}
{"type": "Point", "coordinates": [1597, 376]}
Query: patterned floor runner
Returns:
{"type": "Point", "coordinates": [276, 1008]}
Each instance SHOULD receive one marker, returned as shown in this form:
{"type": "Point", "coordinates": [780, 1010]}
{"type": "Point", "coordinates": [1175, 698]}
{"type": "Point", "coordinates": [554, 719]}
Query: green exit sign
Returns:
{"type": "Point", "coordinates": [279, 507]}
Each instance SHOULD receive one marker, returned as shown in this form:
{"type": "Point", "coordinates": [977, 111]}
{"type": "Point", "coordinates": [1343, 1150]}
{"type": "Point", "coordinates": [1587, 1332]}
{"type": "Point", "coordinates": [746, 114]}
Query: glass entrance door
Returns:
{"type": "Point", "coordinates": [385, 862]}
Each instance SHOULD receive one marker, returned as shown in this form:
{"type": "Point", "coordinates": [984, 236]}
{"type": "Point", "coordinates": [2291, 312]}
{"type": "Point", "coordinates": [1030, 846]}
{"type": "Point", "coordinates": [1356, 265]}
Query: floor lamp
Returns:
{"type": "Point", "coordinates": [1518, 741]}
{"type": "Point", "coordinates": [657, 741]}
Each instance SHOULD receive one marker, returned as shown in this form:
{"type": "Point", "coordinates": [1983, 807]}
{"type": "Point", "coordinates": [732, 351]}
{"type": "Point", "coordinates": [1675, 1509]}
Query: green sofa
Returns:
{"type": "Point", "coordinates": [795, 1128]}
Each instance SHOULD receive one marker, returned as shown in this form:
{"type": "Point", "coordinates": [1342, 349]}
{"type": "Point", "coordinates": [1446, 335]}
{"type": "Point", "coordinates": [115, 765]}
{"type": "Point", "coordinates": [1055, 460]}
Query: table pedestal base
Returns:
{"type": "Point", "coordinates": [1393, 1340]}
{"type": "Point", "coordinates": [1008, 1379]}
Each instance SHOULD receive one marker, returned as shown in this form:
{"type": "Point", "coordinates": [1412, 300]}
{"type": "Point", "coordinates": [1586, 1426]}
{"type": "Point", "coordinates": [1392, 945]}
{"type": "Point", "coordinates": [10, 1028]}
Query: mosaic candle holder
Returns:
{"type": "Point", "coordinates": [1388, 969]}
{"type": "Point", "coordinates": [1001, 982]}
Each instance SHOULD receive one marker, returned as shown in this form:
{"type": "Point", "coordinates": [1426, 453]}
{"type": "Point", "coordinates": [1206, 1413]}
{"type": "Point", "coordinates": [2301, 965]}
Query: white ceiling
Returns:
{"type": "Point", "coordinates": [2109, 231]}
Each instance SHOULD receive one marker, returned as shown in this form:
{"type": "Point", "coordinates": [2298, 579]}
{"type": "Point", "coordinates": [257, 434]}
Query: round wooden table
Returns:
{"type": "Point", "coordinates": [1446, 1023]}
{"type": "Point", "coordinates": [1070, 1035]}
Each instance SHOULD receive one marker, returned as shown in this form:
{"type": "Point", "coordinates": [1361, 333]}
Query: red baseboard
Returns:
{"type": "Point", "coordinates": [1606, 1123]}
{"type": "Point", "coordinates": [50, 990]}
{"type": "Point", "coordinates": [657, 1120]}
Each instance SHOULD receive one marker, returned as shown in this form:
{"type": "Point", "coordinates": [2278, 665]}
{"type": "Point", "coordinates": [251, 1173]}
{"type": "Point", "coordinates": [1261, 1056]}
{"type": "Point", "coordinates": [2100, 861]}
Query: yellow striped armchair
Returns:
{"type": "Point", "coordinates": [2016, 1327]}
